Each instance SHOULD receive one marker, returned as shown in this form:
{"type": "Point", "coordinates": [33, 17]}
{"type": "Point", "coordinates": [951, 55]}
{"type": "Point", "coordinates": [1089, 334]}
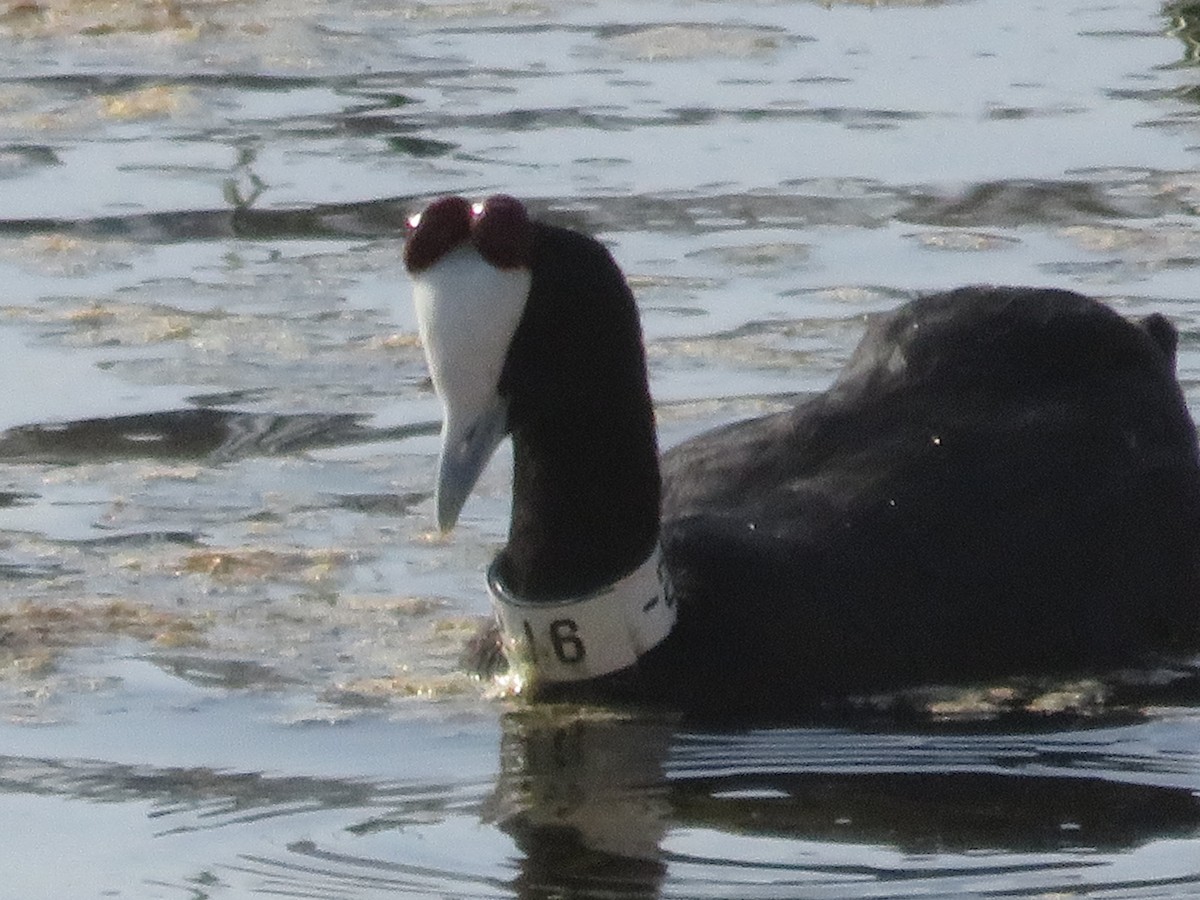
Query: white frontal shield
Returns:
{"type": "Point", "coordinates": [468, 312]}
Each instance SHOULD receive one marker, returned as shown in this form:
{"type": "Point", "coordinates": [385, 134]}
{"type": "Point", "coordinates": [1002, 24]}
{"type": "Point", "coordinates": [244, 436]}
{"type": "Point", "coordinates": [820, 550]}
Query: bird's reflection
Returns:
{"type": "Point", "coordinates": [593, 800]}
{"type": "Point", "coordinates": [583, 796]}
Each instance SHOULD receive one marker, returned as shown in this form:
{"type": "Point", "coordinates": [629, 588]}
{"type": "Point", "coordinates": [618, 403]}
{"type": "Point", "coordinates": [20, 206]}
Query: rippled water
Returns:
{"type": "Point", "coordinates": [228, 635]}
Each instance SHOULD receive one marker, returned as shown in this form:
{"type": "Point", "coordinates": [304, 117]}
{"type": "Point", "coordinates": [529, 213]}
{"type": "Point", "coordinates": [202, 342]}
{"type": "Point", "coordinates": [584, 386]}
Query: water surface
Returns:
{"type": "Point", "coordinates": [229, 636]}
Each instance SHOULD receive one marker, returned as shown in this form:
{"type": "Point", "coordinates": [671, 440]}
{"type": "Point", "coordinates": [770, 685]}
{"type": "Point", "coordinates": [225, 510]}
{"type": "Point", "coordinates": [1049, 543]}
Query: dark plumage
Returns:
{"type": "Point", "coordinates": [1001, 481]}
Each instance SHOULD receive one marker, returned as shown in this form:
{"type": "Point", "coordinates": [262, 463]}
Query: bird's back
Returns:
{"type": "Point", "coordinates": [1001, 480]}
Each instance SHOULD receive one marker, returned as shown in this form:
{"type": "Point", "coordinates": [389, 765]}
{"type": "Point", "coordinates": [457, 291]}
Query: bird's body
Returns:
{"type": "Point", "coordinates": [1002, 481]}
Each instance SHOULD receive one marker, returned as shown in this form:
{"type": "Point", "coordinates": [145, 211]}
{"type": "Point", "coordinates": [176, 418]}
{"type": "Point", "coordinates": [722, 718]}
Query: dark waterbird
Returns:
{"type": "Point", "coordinates": [1001, 481]}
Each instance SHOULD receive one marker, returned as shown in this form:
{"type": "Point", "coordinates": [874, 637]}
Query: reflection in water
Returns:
{"type": "Point", "coordinates": [595, 803]}
{"type": "Point", "coordinates": [1012, 203]}
{"type": "Point", "coordinates": [938, 812]}
{"type": "Point", "coordinates": [244, 187]}
{"type": "Point", "coordinates": [216, 435]}
{"type": "Point", "coordinates": [1184, 19]}
{"type": "Point", "coordinates": [1098, 197]}
{"type": "Point", "coordinates": [217, 798]}
{"type": "Point", "coordinates": [603, 806]}
{"type": "Point", "coordinates": [584, 798]}
{"type": "Point", "coordinates": [375, 218]}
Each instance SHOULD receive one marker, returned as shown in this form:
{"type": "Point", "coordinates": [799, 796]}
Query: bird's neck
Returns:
{"type": "Point", "coordinates": [585, 501]}
{"type": "Point", "coordinates": [586, 483]}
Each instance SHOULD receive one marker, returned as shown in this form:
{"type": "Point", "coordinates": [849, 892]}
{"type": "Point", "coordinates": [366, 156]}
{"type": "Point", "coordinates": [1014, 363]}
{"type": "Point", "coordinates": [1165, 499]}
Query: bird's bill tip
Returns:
{"type": "Point", "coordinates": [467, 447]}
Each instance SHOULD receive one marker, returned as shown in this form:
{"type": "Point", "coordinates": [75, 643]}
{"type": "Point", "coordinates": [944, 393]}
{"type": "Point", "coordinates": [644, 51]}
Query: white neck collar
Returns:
{"type": "Point", "coordinates": [586, 637]}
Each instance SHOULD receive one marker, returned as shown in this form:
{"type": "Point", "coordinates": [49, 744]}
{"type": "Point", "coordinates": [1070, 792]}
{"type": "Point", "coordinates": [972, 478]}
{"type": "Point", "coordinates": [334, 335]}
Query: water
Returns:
{"type": "Point", "coordinates": [228, 633]}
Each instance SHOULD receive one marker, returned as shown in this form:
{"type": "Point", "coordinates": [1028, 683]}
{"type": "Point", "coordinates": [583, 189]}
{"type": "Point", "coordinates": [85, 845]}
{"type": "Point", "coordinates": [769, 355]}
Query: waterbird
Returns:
{"type": "Point", "coordinates": [1001, 481]}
